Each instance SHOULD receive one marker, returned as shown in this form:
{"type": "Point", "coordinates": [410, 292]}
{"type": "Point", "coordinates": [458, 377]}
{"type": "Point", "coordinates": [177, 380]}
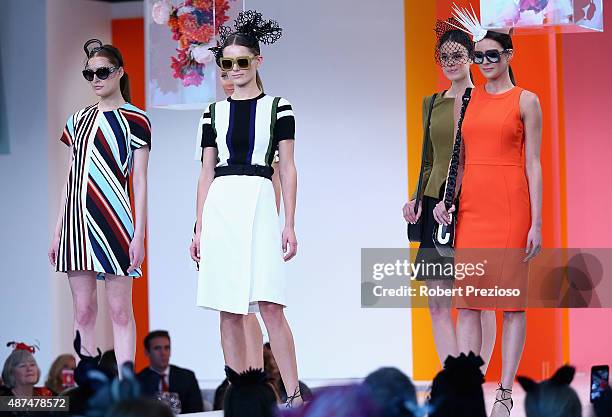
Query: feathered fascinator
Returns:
{"type": "Point", "coordinates": [465, 369]}
{"type": "Point", "coordinates": [110, 391]}
{"type": "Point", "coordinates": [23, 346]}
{"type": "Point", "coordinates": [457, 389]}
{"type": "Point", "coordinates": [468, 22]}
{"type": "Point", "coordinates": [249, 377]}
{"type": "Point", "coordinates": [251, 24]}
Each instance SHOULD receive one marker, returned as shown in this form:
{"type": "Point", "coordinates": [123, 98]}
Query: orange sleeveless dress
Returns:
{"type": "Point", "coordinates": [494, 208]}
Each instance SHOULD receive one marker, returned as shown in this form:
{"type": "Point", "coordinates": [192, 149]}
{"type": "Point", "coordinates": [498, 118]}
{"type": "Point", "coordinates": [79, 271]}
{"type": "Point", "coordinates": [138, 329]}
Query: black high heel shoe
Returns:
{"type": "Point", "coordinates": [505, 394]}
{"type": "Point", "coordinates": [291, 398]}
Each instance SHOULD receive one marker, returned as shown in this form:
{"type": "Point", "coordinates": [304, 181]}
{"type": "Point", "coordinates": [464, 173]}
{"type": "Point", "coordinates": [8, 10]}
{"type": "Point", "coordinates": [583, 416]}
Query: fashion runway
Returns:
{"type": "Point", "coordinates": [580, 384]}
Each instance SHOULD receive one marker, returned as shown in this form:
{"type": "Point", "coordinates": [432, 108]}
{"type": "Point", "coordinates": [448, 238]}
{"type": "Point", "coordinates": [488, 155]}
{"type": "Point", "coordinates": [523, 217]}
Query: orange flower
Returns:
{"type": "Point", "coordinates": [194, 32]}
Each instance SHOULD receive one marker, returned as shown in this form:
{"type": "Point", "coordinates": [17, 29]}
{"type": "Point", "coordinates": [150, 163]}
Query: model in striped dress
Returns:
{"type": "Point", "coordinates": [96, 234]}
{"type": "Point", "coordinates": [238, 242]}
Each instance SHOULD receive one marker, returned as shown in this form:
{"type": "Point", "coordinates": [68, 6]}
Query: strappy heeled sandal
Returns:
{"type": "Point", "coordinates": [291, 398]}
{"type": "Point", "coordinates": [506, 394]}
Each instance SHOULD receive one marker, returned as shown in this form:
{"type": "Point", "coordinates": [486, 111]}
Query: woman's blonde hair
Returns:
{"type": "Point", "coordinates": [16, 358]}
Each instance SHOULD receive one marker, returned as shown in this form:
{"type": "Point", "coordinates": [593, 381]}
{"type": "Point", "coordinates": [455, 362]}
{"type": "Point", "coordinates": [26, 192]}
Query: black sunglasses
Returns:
{"type": "Point", "coordinates": [492, 55]}
{"type": "Point", "coordinates": [102, 73]}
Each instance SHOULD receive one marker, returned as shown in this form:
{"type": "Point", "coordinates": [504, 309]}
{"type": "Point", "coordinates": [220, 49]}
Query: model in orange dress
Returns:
{"type": "Point", "coordinates": [500, 202]}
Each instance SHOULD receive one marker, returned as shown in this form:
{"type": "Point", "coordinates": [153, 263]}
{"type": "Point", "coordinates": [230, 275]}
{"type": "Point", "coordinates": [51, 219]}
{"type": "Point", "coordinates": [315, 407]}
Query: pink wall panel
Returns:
{"type": "Point", "coordinates": [587, 65]}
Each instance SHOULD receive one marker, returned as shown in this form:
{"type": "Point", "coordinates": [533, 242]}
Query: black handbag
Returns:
{"type": "Point", "coordinates": [415, 230]}
{"type": "Point", "coordinates": [444, 235]}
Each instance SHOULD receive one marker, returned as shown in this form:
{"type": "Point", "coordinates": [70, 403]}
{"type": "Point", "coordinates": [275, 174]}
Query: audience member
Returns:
{"type": "Point", "coordinates": [553, 397]}
{"type": "Point", "coordinates": [21, 373]}
{"type": "Point", "coordinates": [220, 395]}
{"type": "Point", "coordinates": [61, 374]}
{"type": "Point", "coordinates": [603, 405]}
{"type": "Point", "coordinates": [456, 391]}
{"type": "Point", "coordinates": [249, 393]}
{"type": "Point", "coordinates": [86, 387]}
{"type": "Point", "coordinates": [343, 401]}
{"type": "Point", "coordinates": [392, 392]}
{"type": "Point", "coordinates": [140, 407]}
{"type": "Point", "coordinates": [107, 392]}
{"type": "Point", "coordinates": [274, 375]}
{"type": "Point", "coordinates": [164, 377]}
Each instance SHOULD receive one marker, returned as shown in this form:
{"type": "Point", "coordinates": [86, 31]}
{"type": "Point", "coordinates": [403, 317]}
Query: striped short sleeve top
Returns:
{"type": "Point", "coordinates": [247, 132]}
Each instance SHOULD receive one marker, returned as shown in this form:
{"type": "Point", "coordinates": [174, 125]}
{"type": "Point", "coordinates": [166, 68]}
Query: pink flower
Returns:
{"type": "Point", "coordinates": [161, 11]}
{"type": "Point", "coordinates": [201, 54]}
{"type": "Point", "coordinates": [192, 78]}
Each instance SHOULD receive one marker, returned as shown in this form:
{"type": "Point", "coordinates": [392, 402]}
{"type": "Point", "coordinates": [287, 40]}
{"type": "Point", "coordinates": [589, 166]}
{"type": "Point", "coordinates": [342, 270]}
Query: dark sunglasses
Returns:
{"type": "Point", "coordinates": [243, 62]}
{"type": "Point", "coordinates": [102, 73]}
{"type": "Point", "coordinates": [492, 55]}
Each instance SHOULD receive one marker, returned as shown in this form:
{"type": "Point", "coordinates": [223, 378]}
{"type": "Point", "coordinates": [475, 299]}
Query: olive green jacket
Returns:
{"type": "Point", "coordinates": [437, 158]}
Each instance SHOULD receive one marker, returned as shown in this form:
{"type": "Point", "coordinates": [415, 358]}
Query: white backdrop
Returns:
{"type": "Point", "coordinates": [351, 160]}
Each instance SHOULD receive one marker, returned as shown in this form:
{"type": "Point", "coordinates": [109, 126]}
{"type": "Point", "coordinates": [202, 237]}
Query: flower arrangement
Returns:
{"type": "Point", "coordinates": [191, 23]}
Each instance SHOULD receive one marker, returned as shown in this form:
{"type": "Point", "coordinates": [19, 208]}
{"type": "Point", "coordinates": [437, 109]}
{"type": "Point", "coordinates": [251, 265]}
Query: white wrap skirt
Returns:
{"type": "Point", "coordinates": [241, 258]}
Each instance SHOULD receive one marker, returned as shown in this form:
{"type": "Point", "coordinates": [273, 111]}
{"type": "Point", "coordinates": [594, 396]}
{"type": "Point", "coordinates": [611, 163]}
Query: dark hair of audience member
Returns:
{"type": "Point", "coordinates": [220, 395]}
{"type": "Point", "coordinates": [275, 378]}
{"type": "Point", "coordinates": [249, 394]}
{"type": "Point", "coordinates": [272, 370]}
{"type": "Point", "coordinates": [553, 397]}
{"type": "Point", "coordinates": [152, 335]}
{"type": "Point", "coordinates": [140, 407]}
{"type": "Point", "coordinates": [392, 391]}
{"type": "Point", "coordinates": [456, 391]}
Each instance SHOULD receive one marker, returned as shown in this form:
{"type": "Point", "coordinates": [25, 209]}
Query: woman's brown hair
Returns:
{"type": "Point", "coordinates": [114, 56]}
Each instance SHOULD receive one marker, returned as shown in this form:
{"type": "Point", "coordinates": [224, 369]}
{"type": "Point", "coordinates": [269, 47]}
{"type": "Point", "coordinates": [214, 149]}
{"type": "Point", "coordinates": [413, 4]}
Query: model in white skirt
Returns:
{"type": "Point", "coordinates": [238, 241]}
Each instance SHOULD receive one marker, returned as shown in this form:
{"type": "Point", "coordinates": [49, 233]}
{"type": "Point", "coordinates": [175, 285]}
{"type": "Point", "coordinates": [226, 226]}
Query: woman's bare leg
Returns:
{"type": "Point", "coordinates": [489, 332]}
{"type": "Point", "coordinates": [441, 321]}
{"type": "Point", "coordinates": [233, 340]}
{"type": "Point", "coordinates": [85, 305]}
{"type": "Point", "coordinates": [119, 297]}
{"type": "Point", "coordinates": [254, 342]}
{"type": "Point", "coordinates": [283, 346]}
{"type": "Point", "coordinates": [469, 331]}
{"type": "Point", "coordinates": [513, 342]}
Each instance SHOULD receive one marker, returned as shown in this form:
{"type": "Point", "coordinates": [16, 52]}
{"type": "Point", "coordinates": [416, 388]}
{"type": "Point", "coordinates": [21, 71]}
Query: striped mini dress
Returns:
{"type": "Point", "coordinates": [98, 224]}
{"type": "Point", "coordinates": [241, 259]}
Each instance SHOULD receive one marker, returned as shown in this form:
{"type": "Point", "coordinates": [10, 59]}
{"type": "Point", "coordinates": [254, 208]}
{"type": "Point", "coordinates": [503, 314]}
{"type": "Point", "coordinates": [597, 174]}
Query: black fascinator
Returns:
{"type": "Point", "coordinates": [92, 46]}
{"type": "Point", "coordinates": [249, 377]}
{"type": "Point", "coordinates": [250, 24]}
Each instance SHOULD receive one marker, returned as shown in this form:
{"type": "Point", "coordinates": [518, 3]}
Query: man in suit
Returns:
{"type": "Point", "coordinates": [161, 376]}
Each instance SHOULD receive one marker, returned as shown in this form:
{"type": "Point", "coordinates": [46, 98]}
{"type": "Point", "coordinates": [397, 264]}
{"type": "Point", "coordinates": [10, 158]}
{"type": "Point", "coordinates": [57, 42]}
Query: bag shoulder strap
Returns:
{"type": "Point", "coordinates": [453, 166]}
{"type": "Point", "coordinates": [426, 140]}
